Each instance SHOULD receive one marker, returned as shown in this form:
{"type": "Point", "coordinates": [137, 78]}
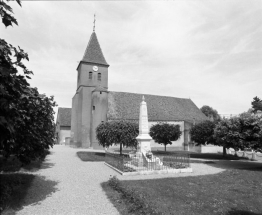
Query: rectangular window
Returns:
{"type": "Point", "coordinates": [90, 75]}
{"type": "Point", "coordinates": [94, 107]}
{"type": "Point", "coordinates": [99, 77]}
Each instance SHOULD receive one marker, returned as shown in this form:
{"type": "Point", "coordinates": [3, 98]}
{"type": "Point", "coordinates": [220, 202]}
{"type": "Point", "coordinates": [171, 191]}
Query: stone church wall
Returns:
{"type": "Point", "coordinates": [99, 111]}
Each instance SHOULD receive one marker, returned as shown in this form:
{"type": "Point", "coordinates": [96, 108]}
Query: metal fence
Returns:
{"type": "Point", "coordinates": [250, 154]}
{"type": "Point", "coordinates": [136, 162]}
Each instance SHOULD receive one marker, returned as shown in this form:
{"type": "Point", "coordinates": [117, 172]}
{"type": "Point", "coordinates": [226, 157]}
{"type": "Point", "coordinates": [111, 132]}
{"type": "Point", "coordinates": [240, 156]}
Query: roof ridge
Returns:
{"type": "Point", "coordinates": [150, 95]}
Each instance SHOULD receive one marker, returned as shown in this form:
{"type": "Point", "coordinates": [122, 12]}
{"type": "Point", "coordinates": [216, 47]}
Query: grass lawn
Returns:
{"type": "Point", "coordinates": [226, 192]}
{"type": "Point", "coordinates": [91, 156]}
{"type": "Point", "coordinates": [232, 192]}
{"type": "Point", "coordinates": [215, 156]}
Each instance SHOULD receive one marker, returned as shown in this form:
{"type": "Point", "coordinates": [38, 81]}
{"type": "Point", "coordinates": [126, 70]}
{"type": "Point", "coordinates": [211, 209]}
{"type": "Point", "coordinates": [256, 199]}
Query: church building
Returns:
{"type": "Point", "coordinates": [93, 103]}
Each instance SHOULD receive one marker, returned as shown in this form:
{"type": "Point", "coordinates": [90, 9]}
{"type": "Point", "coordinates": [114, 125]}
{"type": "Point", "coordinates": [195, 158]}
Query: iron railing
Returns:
{"type": "Point", "coordinates": [136, 162]}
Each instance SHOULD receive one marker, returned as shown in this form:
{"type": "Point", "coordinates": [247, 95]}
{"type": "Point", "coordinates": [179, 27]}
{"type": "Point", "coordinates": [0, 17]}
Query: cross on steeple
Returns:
{"type": "Point", "coordinates": [94, 23]}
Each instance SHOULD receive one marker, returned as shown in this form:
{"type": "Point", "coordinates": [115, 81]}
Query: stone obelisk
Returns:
{"type": "Point", "coordinates": [143, 138]}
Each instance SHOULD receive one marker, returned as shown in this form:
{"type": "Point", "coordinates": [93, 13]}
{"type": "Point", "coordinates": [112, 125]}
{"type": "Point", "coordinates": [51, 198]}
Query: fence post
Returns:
{"type": "Point", "coordinates": [244, 153]}
{"type": "Point", "coordinates": [253, 156]}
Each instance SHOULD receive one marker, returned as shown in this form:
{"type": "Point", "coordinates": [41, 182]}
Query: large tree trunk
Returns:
{"type": "Point", "coordinates": [224, 151]}
{"type": "Point", "coordinates": [120, 148]}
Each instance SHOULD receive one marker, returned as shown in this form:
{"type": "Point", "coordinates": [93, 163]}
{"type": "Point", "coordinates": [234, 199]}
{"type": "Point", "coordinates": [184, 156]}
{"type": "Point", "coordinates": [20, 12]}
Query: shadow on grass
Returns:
{"type": "Point", "coordinates": [241, 212]}
{"type": "Point", "coordinates": [91, 156]}
{"type": "Point", "coordinates": [22, 189]}
{"type": "Point", "coordinates": [239, 165]}
{"type": "Point", "coordinates": [231, 164]}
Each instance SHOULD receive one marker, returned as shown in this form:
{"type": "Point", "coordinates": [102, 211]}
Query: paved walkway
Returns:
{"type": "Point", "coordinates": [66, 185]}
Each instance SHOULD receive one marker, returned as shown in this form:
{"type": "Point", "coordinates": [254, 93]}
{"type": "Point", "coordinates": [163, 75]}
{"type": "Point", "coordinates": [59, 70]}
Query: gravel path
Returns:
{"type": "Point", "coordinates": [66, 185]}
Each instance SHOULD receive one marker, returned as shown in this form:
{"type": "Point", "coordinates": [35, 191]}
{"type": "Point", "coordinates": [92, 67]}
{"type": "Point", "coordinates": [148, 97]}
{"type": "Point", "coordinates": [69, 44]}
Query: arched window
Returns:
{"type": "Point", "coordinates": [90, 75]}
{"type": "Point", "coordinates": [99, 77]}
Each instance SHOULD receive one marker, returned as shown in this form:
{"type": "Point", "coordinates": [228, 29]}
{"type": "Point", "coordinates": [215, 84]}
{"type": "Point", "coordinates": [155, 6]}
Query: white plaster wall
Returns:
{"type": "Point", "coordinates": [63, 134]}
{"type": "Point", "coordinates": [211, 149]}
{"type": "Point", "coordinates": [178, 143]}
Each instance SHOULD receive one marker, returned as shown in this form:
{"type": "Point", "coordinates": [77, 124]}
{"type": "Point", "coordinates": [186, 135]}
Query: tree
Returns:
{"type": "Point", "coordinates": [239, 133]}
{"type": "Point", "coordinates": [121, 132]}
{"type": "Point", "coordinates": [256, 104]}
{"type": "Point", "coordinates": [247, 113]}
{"type": "Point", "coordinates": [210, 112]}
{"type": "Point", "coordinates": [164, 133]}
{"type": "Point", "coordinates": [202, 133]}
{"type": "Point", "coordinates": [5, 11]}
{"type": "Point", "coordinates": [26, 116]}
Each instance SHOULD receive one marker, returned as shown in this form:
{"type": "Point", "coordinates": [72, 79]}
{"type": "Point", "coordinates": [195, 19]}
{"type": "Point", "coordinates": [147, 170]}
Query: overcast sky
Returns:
{"type": "Point", "coordinates": [209, 51]}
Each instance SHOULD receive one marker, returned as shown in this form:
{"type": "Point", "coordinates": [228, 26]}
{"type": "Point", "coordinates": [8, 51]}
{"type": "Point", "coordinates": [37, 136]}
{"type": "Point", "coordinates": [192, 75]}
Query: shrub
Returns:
{"type": "Point", "coordinates": [164, 133]}
{"type": "Point", "coordinates": [240, 132]}
{"type": "Point", "coordinates": [117, 132]}
{"type": "Point", "coordinates": [202, 133]}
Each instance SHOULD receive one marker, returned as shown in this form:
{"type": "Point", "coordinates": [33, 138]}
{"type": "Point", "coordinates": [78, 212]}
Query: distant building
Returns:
{"type": "Point", "coordinates": [228, 116]}
{"type": "Point", "coordinates": [63, 124]}
{"type": "Point", "coordinates": [93, 104]}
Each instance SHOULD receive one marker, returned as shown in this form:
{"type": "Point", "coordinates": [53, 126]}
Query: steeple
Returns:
{"type": "Point", "coordinates": [93, 53]}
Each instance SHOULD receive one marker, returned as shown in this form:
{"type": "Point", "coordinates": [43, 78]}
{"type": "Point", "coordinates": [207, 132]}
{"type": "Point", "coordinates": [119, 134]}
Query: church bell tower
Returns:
{"type": "Point", "coordinates": [89, 104]}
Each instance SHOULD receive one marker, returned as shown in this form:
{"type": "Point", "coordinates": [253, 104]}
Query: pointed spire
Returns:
{"type": "Point", "coordinates": [143, 98]}
{"type": "Point", "coordinates": [93, 53]}
{"type": "Point", "coordinates": [94, 27]}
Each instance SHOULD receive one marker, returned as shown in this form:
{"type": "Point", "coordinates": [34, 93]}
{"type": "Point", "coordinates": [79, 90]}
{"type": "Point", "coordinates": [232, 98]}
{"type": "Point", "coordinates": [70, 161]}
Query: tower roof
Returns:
{"type": "Point", "coordinates": [93, 53]}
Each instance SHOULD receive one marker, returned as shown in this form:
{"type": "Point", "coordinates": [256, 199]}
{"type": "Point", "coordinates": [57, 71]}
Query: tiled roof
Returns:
{"type": "Point", "coordinates": [123, 105]}
{"type": "Point", "coordinates": [100, 88]}
{"type": "Point", "coordinates": [93, 53]}
{"type": "Point", "coordinates": [64, 116]}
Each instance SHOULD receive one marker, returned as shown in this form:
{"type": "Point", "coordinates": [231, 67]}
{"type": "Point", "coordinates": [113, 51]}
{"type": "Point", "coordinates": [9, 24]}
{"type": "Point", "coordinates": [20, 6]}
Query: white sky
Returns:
{"type": "Point", "coordinates": [209, 51]}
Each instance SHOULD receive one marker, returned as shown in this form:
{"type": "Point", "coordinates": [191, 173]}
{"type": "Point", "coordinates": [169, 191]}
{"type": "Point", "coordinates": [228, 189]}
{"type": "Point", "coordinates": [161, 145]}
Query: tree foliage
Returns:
{"type": "Point", "coordinates": [121, 132]}
{"type": "Point", "coordinates": [6, 13]}
{"type": "Point", "coordinates": [240, 133]}
{"type": "Point", "coordinates": [26, 116]}
{"type": "Point", "coordinates": [256, 104]}
{"type": "Point", "coordinates": [244, 131]}
{"type": "Point", "coordinates": [164, 133]}
{"type": "Point", "coordinates": [202, 133]}
{"type": "Point", "coordinates": [210, 112]}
